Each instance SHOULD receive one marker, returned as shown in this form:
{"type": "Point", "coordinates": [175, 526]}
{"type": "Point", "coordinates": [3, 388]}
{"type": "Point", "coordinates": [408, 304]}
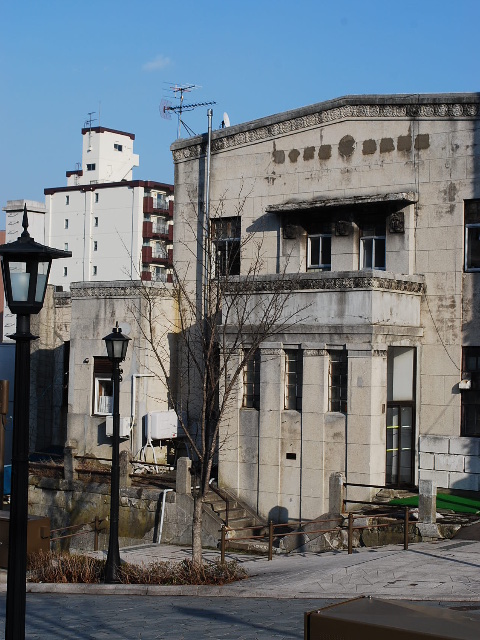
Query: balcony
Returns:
{"type": "Point", "coordinates": [157, 229]}
{"type": "Point", "coordinates": [157, 204]}
{"type": "Point", "coordinates": [354, 299]}
{"type": "Point", "coordinates": [157, 255]}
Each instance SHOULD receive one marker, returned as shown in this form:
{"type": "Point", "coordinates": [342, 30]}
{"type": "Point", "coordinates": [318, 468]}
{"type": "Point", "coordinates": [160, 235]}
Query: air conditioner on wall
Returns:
{"type": "Point", "coordinates": [161, 425]}
{"type": "Point", "coordinates": [124, 427]}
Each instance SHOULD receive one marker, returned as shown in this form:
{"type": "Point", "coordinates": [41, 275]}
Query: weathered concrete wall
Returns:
{"type": "Point", "coordinates": [450, 461]}
{"type": "Point", "coordinates": [415, 161]}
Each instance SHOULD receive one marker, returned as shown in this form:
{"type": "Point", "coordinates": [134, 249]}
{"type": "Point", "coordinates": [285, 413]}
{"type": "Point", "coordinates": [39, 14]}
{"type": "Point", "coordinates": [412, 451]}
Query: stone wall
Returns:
{"type": "Point", "coordinates": [451, 462]}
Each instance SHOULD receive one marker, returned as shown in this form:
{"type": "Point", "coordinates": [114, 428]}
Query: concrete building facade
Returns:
{"type": "Point", "coordinates": [367, 212]}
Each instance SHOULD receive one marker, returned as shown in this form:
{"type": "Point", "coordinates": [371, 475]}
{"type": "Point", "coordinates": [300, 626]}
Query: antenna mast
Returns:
{"type": "Point", "coordinates": [179, 92]}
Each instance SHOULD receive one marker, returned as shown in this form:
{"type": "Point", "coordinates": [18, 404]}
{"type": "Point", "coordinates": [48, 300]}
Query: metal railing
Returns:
{"type": "Point", "coordinates": [225, 498]}
{"type": "Point", "coordinates": [271, 535]}
{"type": "Point", "coordinates": [97, 529]}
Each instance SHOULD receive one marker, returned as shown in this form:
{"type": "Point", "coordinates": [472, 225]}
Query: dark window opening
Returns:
{"type": "Point", "coordinates": [226, 233]}
{"type": "Point", "coordinates": [338, 381]}
{"type": "Point", "coordinates": [471, 397]}
{"type": "Point", "coordinates": [293, 379]}
{"type": "Point", "coordinates": [251, 382]}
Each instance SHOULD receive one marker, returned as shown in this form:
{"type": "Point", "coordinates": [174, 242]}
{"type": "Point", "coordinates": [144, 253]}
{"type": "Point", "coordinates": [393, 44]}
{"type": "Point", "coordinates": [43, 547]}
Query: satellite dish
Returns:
{"type": "Point", "coordinates": [226, 120]}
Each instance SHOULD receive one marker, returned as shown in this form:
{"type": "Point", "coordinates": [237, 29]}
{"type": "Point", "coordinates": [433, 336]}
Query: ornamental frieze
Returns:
{"type": "Point", "coordinates": [361, 111]}
{"type": "Point", "coordinates": [326, 284]}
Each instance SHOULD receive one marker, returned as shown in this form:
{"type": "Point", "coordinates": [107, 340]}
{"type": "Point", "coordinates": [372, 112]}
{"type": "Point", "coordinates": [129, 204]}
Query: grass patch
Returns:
{"type": "Point", "coordinates": [444, 501]}
{"type": "Point", "coordinates": [62, 567]}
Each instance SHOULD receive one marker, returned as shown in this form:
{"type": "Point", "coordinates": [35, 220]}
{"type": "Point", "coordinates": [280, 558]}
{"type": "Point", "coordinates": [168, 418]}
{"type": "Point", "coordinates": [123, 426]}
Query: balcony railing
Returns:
{"type": "Point", "coordinates": [161, 227]}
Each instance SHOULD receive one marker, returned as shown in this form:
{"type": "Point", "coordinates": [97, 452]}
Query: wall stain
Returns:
{"type": "Point", "coordinates": [369, 147]}
{"type": "Point", "coordinates": [293, 155]}
{"type": "Point", "coordinates": [278, 156]}
{"type": "Point", "coordinates": [346, 146]}
{"type": "Point", "coordinates": [271, 178]}
{"type": "Point", "coordinates": [404, 143]}
{"type": "Point", "coordinates": [450, 192]}
{"type": "Point", "coordinates": [422, 141]}
{"type": "Point", "coordinates": [309, 153]}
{"type": "Point", "coordinates": [325, 152]}
{"type": "Point", "coordinates": [386, 145]}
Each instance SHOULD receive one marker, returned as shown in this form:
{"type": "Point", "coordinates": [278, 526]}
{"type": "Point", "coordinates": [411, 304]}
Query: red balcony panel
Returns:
{"type": "Point", "coordinates": [147, 229]}
{"type": "Point", "coordinates": [147, 254]}
{"type": "Point", "coordinates": [170, 256]}
{"type": "Point", "coordinates": [170, 233]}
{"type": "Point", "coordinates": [170, 208]}
{"type": "Point", "coordinates": [169, 277]}
{"type": "Point", "coordinates": [148, 204]}
{"type": "Point", "coordinates": [157, 260]}
{"type": "Point", "coordinates": [146, 276]}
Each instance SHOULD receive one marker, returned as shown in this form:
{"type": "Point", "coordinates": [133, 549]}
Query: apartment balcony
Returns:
{"type": "Point", "coordinates": [354, 299]}
{"type": "Point", "coordinates": [152, 255]}
{"type": "Point", "coordinates": [161, 229]}
{"type": "Point", "coordinates": [158, 204]}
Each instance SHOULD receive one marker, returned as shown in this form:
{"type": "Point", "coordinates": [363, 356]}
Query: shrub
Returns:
{"type": "Point", "coordinates": [63, 567]}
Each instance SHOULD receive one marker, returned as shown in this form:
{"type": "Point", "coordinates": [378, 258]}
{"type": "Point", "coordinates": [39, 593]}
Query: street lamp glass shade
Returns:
{"type": "Point", "coordinates": [21, 274]}
{"type": "Point", "coordinates": [117, 345]}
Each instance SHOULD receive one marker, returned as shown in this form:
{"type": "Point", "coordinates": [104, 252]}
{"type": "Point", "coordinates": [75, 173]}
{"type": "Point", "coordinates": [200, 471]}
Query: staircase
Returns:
{"type": "Point", "coordinates": [240, 516]}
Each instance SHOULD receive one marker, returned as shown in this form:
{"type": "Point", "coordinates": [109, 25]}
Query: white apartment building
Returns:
{"type": "Point", "coordinates": [117, 228]}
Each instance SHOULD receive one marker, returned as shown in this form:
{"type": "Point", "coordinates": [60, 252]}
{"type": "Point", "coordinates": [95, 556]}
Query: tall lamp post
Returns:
{"type": "Point", "coordinates": [25, 268]}
{"type": "Point", "coordinates": [117, 345]}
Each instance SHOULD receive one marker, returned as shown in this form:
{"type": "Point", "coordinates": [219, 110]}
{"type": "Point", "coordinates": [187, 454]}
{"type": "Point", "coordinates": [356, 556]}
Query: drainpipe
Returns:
{"type": "Point", "coordinates": [206, 220]}
{"type": "Point", "coordinates": [133, 404]}
{"type": "Point", "coordinates": [160, 528]}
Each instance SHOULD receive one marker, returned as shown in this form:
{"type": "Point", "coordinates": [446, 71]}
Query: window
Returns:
{"type": "Point", "coordinates": [66, 246]}
{"type": "Point", "coordinates": [472, 235]}
{"type": "Point", "coordinates": [337, 381]}
{"type": "Point", "coordinates": [471, 397]}
{"type": "Point", "coordinates": [159, 274]}
{"type": "Point", "coordinates": [251, 382]}
{"type": "Point", "coordinates": [65, 271]}
{"type": "Point", "coordinates": [319, 251]}
{"type": "Point", "coordinates": [102, 386]}
{"type": "Point", "coordinates": [65, 223]}
{"type": "Point", "coordinates": [94, 271]}
{"type": "Point", "coordinates": [95, 245]}
{"type": "Point", "coordinates": [96, 197]}
{"type": "Point", "coordinates": [95, 222]}
{"type": "Point", "coordinates": [226, 241]}
{"type": "Point", "coordinates": [118, 147]}
{"type": "Point", "coordinates": [91, 167]}
{"type": "Point", "coordinates": [67, 199]}
{"type": "Point", "coordinates": [372, 247]}
{"type": "Point", "coordinates": [293, 379]}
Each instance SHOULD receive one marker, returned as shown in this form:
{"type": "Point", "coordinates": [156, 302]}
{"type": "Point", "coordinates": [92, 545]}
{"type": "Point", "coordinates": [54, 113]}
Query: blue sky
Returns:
{"type": "Point", "coordinates": [59, 60]}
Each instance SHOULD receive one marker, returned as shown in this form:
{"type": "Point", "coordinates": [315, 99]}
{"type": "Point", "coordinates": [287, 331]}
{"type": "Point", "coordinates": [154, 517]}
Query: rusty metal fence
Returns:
{"type": "Point", "coordinates": [270, 536]}
{"type": "Point", "coordinates": [97, 529]}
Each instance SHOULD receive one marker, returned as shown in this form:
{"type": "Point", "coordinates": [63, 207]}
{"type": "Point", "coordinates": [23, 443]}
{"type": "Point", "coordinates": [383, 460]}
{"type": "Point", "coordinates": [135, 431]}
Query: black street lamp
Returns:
{"type": "Point", "coordinates": [117, 345]}
{"type": "Point", "coordinates": [25, 268]}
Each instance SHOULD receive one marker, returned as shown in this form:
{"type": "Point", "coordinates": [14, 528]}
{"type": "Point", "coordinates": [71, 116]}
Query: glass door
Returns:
{"type": "Point", "coordinates": [400, 445]}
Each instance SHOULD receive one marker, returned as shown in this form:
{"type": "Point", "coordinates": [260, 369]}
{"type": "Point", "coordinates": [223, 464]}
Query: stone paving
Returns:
{"type": "Point", "coordinates": [444, 570]}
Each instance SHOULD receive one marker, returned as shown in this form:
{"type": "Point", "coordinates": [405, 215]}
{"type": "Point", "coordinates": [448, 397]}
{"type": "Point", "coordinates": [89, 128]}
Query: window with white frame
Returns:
{"type": "Point", "coordinates": [251, 382]}
{"type": "Point", "coordinates": [66, 246]}
{"type": "Point", "coordinates": [94, 270]}
{"type": "Point", "coordinates": [159, 274]}
{"type": "Point", "coordinates": [472, 235]}
{"type": "Point", "coordinates": [293, 379]}
{"type": "Point", "coordinates": [337, 380]}
{"type": "Point", "coordinates": [118, 147]}
{"type": "Point", "coordinates": [372, 247]}
{"type": "Point", "coordinates": [102, 386]}
{"type": "Point", "coordinates": [91, 167]}
{"type": "Point", "coordinates": [226, 234]}
{"type": "Point", "coordinates": [319, 251]}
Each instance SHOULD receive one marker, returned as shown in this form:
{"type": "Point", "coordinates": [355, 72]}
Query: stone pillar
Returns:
{"type": "Point", "coordinates": [336, 493]}
{"type": "Point", "coordinates": [69, 453]}
{"type": "Point", "coordinates": [269, 441]}
{"type": "Point", "coordinates": [427, 501]}
{"type": "Point", "coordinates": [124, 463]}
{"type": "Point", "coordinates": [184, 477]}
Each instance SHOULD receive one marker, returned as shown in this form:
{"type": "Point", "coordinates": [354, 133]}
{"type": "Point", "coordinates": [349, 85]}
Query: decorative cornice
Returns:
{"type": "Point", "coordinates": [256, 131]}
{"type": "Point", "coordinates": [118, 289]}
{"type": "Point", "coordinates": [344, 283]}
{"type": "Point", "coordinates": [379, 353]}
{"type": "Point", "coordinates": [270, 352]}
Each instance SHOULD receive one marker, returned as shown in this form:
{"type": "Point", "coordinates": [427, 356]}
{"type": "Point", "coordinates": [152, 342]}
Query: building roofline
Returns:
{"type": "Point", "coordinates": [432, 105]}
{"type": "Point", "coordinates": [106, 129]}
{"type": "Point", "coordinates": [148, 184]}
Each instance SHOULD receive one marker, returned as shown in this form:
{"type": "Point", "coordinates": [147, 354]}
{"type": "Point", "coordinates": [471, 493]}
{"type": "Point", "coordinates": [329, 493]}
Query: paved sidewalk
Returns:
{"type": "Point", "coordinates": [447, 570]}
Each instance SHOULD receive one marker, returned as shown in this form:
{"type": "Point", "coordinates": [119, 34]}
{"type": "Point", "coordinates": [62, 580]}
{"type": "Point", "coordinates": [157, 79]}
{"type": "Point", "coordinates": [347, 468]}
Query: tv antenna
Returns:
{"type": "Point", "coordinates": [179, 92]}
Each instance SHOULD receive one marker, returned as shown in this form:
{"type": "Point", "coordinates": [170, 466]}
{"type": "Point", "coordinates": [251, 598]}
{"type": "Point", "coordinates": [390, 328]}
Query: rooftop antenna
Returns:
{"type": "Point", "coordinates": [179, 94]}
{"type": "Point", "coordinates": [88, 123]}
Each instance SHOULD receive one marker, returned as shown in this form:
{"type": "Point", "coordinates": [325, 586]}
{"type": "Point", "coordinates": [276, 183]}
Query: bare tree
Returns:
{"type": "Point", "coordinates": [221, 321]}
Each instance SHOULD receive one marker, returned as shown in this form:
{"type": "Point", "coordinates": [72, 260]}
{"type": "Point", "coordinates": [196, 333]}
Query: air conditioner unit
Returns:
{"type": "Point", "coordinates": [124, 427]}
{"type": "Point", "coordinates": [161, 425]}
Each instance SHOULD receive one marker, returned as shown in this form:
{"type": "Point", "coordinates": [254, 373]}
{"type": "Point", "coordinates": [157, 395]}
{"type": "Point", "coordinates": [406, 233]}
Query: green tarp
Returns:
{"type": "Point", "coordinates": [444, 501]}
